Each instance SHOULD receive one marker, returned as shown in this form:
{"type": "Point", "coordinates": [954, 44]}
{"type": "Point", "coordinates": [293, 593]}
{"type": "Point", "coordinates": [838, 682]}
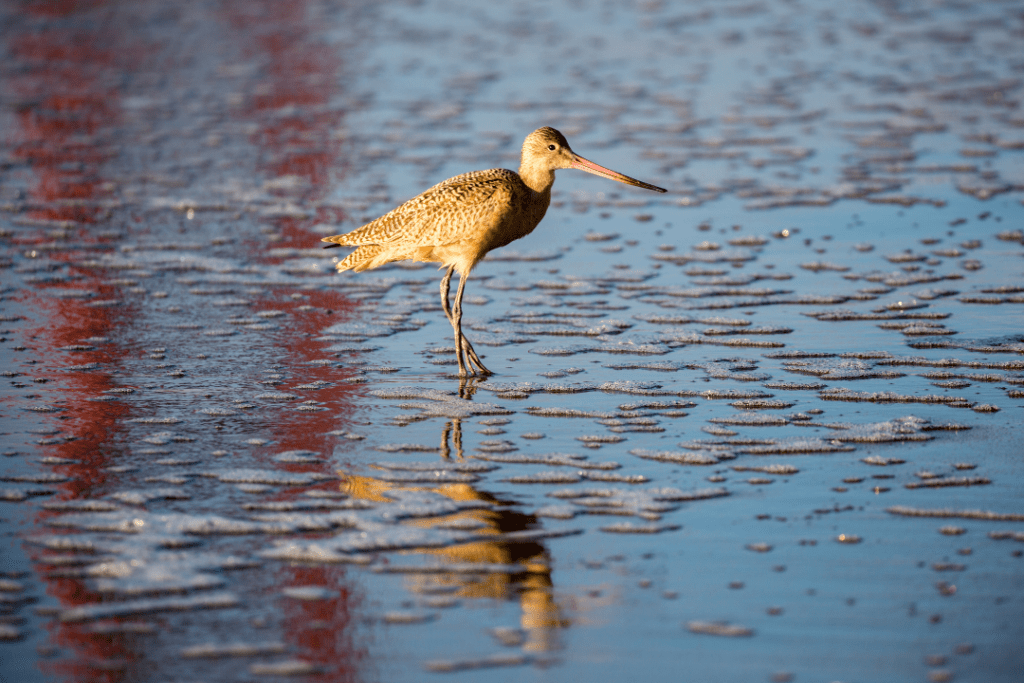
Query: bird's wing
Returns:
{"type": "Point", "coordinates": [446, 213]}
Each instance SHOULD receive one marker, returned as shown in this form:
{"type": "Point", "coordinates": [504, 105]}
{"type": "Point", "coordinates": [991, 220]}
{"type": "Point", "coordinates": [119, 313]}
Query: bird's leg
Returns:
{"type": "Point", "coordinates": [445, 285]}
{"type": "Point", "coordinates": [445, 288]}
{"type": "Point", "coordinates": [471, 356]}
{"type": "Point", "coordinates": [461, 343]}
{"type": "Point", "coordinates": [466, 347]}
{"type": "Point", "coordinates": [458, 352]}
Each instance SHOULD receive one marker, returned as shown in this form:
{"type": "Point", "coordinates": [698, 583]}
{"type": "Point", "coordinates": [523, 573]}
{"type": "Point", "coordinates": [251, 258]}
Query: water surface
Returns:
{"type": "Point", "coordinates": [763, 427]}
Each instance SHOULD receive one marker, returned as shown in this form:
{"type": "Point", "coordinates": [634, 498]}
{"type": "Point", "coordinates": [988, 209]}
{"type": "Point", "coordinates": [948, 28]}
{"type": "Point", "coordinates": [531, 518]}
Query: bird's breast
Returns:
{"type": "Point", "coordinates": [524, 213]}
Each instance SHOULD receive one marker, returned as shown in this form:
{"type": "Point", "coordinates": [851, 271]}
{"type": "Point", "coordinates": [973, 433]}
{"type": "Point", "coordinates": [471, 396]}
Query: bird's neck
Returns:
{"type": "Point", "coordinates": [537, 179]}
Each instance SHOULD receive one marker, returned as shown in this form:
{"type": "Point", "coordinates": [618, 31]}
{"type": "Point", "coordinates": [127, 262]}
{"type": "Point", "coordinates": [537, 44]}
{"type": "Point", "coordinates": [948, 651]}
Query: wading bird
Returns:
{"type": "Point", "coordinates": [458, 221]}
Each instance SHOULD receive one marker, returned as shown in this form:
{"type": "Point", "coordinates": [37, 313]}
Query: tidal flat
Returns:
{"type": "Point", "coordinates": [764, 427]}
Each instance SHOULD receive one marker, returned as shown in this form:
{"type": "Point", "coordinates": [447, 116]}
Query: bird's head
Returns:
{"type": "Point", "coordinates": [548, 148]}
{"type": "Point", "coordinates": [545, 149]}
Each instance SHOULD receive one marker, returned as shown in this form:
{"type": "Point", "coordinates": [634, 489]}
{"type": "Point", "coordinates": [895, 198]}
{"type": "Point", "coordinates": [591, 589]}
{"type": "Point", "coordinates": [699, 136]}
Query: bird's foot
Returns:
{"type": "Point", "coordinates": [473, 373]}
{"type": "Point", "coordinates": [480, 366]}
{"type": "Point", "coordinates": [472, 358]}
{"type": "Point", "coordinates": [483, 372]}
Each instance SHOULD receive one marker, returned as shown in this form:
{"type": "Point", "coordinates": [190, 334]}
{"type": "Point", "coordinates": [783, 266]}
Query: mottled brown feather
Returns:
{"type": "Point", "coordinates": [456, 222]}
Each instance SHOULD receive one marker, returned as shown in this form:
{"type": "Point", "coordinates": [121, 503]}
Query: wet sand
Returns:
{"type": "Point", "coordinates": [763, 427]}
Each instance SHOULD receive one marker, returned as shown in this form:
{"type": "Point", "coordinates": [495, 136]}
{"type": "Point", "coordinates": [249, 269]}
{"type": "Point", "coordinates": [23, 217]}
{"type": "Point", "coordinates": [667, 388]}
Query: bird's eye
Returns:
{"type": "Point", "coordinates": [552, 148]}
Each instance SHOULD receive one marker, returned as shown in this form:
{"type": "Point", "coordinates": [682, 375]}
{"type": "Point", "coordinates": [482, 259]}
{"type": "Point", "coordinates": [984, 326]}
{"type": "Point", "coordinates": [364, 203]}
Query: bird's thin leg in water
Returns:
{"type": "Point", "coordinates": [445, 288]}
{"type": "Point", "coordinates": [472, 357]}
{"type": "Point", "coordinates": [456, 321]}
{"type": "Point", "coordinates": [445, 285]}
{"type": "Point", "coordinates": [461, 343]}
{"type": "Point", "coordinates": [467, 345]}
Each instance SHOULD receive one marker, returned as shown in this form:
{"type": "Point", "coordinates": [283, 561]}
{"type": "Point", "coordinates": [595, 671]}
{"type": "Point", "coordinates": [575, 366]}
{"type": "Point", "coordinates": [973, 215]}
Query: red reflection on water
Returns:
{"type": "Point", "coordinates": [322, 630]}
{"type": "Point", "coordinates": [301, 357]}
{"type": "Point", "coordinates": [66, 78]}
{"type": "Point", "coordinates": [72, 65]}
{"type": "Point", "coordinates": [57, 135]}
{"type": "Point", "coordinates": [95, 427]}
{"type": "Point", "coordinates": [93, 424]}
{"type": "Point", "coordinates": [291, 104]}
{"type": "Point", "coordinates": [59, 8]}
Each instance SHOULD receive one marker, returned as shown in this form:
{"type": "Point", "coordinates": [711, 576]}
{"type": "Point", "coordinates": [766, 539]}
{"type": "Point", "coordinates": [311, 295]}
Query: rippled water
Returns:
{"type": "Point", "coordinates": [763, 427]}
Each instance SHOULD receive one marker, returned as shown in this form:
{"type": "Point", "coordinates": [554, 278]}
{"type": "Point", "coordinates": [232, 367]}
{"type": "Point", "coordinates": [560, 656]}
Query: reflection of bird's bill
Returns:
{"type": "Point", "coordinates": [590, 167]}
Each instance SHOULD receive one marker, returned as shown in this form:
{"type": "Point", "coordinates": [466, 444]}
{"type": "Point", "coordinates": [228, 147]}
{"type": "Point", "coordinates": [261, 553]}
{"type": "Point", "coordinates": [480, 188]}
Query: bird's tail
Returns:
{"type": "Point", "coordinates": [363, 258]}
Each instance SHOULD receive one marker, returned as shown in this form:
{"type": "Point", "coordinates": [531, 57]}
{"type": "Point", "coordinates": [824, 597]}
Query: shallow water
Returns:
{"type": "Point", "coordinates": [762, 427]}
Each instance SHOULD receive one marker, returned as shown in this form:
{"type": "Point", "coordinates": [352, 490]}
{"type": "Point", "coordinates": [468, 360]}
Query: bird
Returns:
{"type": "Point", "coordinates": [457, 222]}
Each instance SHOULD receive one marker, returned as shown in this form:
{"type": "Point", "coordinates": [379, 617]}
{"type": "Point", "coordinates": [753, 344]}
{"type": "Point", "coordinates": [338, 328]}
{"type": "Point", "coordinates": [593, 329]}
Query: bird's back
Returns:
{"type": "Point", "coordinates": [455, 222]}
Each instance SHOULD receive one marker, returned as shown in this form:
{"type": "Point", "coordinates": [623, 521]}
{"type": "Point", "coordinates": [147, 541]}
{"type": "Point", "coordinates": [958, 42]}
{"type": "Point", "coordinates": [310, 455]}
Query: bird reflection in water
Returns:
{"type": "Point", "coordinates": [453, 428]}
{"type": "Point", "coordinates": [541, 616]}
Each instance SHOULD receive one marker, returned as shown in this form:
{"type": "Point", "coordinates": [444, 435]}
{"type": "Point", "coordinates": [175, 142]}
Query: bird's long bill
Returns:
{"type": "Point", "coordinates": [590, 167]}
